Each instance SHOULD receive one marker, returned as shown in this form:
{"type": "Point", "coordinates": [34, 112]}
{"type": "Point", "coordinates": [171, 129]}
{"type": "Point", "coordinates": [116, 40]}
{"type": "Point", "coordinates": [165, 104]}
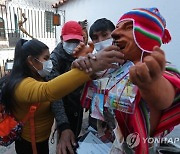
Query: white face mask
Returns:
{"type": "Point", "coordinates": [69, 47]}
{"type": "Point", "coordinates": [103, 44]}
{"type": "Point", "coordinates": [47, 68]}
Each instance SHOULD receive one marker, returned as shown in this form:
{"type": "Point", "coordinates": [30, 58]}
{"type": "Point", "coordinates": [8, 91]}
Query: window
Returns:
{"type": "Point", "coordinates": [16, 23]}
{"type": "Point", "coordinates": [49, 21]}
{"type": "Point", "coordinates": [2, 29]}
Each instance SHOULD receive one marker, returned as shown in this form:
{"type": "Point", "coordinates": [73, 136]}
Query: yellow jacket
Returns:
{"type": "Point", "coordinates": [30, 91]}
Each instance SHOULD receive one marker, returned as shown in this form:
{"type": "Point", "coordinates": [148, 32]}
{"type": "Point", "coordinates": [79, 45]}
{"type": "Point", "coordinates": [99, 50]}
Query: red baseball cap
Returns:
{"type": "Point", "coordinates": [72, 30]}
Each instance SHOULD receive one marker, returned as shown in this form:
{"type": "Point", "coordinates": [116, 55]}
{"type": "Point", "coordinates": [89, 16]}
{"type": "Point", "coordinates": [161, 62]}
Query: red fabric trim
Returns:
{"type": "Point", "coordinates": [169, 120]}
{"type": "Point", "coordinates": [138, 124]}
{"type": "Point", "coordinates": [130, 123]}
{"type": "Point", "coordinates": [173, 79]}
{"type": "Point", "coordinates": [170, 117]}
{"type": "Point", "coordinates": [32, 126]}
{"type": "Point", "coordinates": [141, 129]}
{"type": "Point", "coordinates": [85, 103]}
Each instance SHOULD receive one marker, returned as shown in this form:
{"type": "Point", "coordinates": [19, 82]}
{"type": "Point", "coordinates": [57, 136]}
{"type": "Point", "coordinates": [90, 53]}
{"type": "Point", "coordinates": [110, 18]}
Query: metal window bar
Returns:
{"type": "Point", "coordinates": [42, 24]}
{"type": "Point", "coordinates": [39, 23]}
{"type": "Point", "coordinates": [13, 21]}
{"type": "Point", "coordinates": [6, 20]}
{"type": "Point", "coordinates": [26, 23]}
{"type": "Point", "coordinates": [29, 25]}
{"type": "Point", "coordinates": [35, 26]}
{"type": "Point", "coordinates": [32, 23]}
{"type": "Point", "coordinates": [3, 25]}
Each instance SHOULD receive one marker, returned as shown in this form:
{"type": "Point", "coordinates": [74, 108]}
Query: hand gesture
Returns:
{"type": "Point", "coordinates": [66, 142]}
{"type": "Point", "coordinates": [145, 74]}
{"type": "Point", "coordinates": [100, 61]}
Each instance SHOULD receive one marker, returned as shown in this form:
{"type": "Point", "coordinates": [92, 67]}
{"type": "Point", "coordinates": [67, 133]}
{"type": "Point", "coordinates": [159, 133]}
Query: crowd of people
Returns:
{"type": "Point", "coordinates": [56, 81]}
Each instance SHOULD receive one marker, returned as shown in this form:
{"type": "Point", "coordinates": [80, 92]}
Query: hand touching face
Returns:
{"type": "Point", "coordinates": [83, 50]}
{"type": "Point", "coordinates": [123, 38]}
{"type": "Point", "coordinates": [100, 61]}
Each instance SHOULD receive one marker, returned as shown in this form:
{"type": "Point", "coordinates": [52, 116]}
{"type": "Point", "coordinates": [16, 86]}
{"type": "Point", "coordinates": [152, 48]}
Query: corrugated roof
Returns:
{"type": "Point", "coordinates": [59, 3]}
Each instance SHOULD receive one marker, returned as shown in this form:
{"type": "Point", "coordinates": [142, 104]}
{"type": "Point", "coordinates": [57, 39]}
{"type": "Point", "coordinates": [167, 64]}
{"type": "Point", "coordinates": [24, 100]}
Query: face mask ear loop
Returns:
{"type": "Point", "coordinates": [38, 60]}
{"type": "Point", "coordinates": [141, 60]}
{"type": "Point", "coordinates": [34, 67]}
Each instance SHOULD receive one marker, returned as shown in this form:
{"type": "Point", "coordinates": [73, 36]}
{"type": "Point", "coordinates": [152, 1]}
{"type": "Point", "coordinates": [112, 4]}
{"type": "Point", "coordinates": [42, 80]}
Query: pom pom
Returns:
{"type": "Point", "coordinates": [166, 37]}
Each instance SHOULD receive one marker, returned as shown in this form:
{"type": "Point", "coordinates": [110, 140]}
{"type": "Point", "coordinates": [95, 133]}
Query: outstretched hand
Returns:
{"type": "Point", "coordinates": [83, 50]}
{"type": "Point", "coordinates": [157, 91]}
{"type": "Point", "coordinates": [144, 74]}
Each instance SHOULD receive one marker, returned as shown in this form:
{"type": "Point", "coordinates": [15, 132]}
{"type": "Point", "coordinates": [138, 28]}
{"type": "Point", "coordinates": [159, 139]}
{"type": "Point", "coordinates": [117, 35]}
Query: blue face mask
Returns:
{"type": "Point", "coordinates": [47, 68]}
{"type": "Point", "coordinates": [103, 44]}
{"type": "Point", "coordinates": [69, 47]}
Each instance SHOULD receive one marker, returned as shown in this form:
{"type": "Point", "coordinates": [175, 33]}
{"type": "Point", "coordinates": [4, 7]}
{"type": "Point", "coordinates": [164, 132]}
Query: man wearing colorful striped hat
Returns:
{"type": "Point", "coordinates": [139, 34]}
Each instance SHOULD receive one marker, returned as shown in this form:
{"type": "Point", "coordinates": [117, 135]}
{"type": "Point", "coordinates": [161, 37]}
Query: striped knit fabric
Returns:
{"type": "Point", "coordinates": [148, 28]}
{"type": "Point", "coordinates": [170, 116]}
{"type": "Point", "coordinates": [139, 122]}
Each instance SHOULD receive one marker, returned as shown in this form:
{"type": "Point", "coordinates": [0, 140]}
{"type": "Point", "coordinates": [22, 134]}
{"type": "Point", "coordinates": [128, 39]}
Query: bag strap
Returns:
{"type": "Point", "coordinates": [32, 126]}
{"type": "Point", "coordinates": [31, 110]}
{"type": "Point", "coordinates": [30, 116]}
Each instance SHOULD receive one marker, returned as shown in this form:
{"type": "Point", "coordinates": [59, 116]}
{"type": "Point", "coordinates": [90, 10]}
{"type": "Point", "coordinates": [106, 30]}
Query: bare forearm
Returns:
{"type": "Point", "coordinates": [159, 95]}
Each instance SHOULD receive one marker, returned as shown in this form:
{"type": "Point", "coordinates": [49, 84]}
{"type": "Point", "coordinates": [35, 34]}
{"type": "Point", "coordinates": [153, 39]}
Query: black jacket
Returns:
{"type": "Point", "coordinates": [68, 111]}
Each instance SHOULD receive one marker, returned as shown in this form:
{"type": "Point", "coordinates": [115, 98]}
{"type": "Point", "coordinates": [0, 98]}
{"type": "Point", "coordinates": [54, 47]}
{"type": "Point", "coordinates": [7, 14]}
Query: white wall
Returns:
{"type": "Point", "coordinates": [113, 9]}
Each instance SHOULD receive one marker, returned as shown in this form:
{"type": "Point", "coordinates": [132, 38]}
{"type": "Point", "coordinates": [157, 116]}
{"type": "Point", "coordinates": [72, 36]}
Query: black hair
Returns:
{"type": "Point", "coordinates": [21, 70]}
{"type": "Point", "coordinates": [102, 24]}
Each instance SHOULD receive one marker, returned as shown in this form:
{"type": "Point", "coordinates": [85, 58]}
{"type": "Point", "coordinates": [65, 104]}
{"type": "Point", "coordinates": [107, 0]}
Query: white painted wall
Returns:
{"type": "Point", "coordinates": [113, 9]}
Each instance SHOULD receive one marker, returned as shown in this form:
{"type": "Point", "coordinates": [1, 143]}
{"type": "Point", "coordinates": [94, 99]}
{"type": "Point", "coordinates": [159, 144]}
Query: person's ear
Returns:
{"type": "Point", "coordinates": [30, 60]}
